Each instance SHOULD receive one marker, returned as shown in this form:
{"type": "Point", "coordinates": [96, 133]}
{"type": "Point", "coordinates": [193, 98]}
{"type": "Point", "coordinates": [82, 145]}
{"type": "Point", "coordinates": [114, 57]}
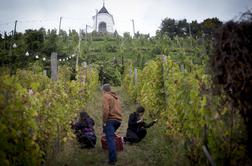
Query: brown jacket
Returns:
{"type": "Point", "coordinates": [111, 107]}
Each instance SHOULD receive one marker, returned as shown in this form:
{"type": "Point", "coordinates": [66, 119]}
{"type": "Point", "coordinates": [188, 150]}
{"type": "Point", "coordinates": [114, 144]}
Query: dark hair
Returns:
{"type": "Point", "coordinates": [83, 115]}
{"type": "Point", "coordinates": [140, 109]}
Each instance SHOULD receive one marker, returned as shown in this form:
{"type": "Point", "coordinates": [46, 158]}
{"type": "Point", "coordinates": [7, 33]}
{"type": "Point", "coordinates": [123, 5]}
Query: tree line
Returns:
{"type": "Point", "coordinates": [182, 28]}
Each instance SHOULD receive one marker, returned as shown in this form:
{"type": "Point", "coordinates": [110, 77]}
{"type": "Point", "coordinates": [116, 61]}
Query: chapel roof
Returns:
{"type": "Point", "coordinates": [103, 10]}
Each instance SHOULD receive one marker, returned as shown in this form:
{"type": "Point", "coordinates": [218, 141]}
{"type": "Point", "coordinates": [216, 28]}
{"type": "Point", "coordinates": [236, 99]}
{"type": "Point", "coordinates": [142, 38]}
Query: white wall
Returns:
{"type": "Point", "coordinates": [108, 19]}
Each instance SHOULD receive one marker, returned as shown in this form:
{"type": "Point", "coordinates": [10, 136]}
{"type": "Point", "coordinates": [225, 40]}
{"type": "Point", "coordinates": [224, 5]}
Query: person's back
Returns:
{"type": "Point", "coordinates": [132, 122]}
{"type": "Point", "coordinates": [111, 107]}
{"type": "Point", "coordinates": [84, 130]}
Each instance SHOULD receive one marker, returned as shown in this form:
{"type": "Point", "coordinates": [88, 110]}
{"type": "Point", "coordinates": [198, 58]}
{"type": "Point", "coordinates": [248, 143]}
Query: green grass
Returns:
{"type": "Point", "coordinates": [152, 150]}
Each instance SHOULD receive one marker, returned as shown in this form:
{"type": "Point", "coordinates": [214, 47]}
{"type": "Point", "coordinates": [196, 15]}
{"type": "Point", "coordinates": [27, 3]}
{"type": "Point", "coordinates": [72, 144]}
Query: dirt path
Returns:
{"type": "Point", "coordinates": [133, 155]}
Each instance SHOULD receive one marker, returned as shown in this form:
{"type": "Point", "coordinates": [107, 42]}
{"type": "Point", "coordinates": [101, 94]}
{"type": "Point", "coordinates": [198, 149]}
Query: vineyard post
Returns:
{"type": "Point", "coordinates": [182, 67]}
{"type": "Point", "coordinates": [15, 29]}
{"type": "Point", "coordinates": [45, 72]}
{"type": "Point", "coordinates": [101, 71]}
{"type": "Point", "coordinates": [79, 52]}
{"type": "Point", "coordinates": [135, 76]}
{"type": "Point", "coordinates": [133, 24]}
{"type": "Point", "coordinates": [85, 71]}
{"type": "Point", "coordinates": [205, 141]}
{"type": "Point", "coordinates": [60, 24]}
{"type": "Point", "coordinates": [209, 157]}
{"type": "Point", "coordinates": [130, 72]}
{"type": "Point", "coordinates": [54, 66]}
{"type": "Point", "coordinates": [86, 32]}
{"type": "Point", "coordinates": [54, 76]}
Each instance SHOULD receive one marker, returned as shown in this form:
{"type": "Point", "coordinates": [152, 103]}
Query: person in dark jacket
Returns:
{"type": "Point", "coordinates": [84, 131]}
{"type": "Point", "coordinates": [136, 126]}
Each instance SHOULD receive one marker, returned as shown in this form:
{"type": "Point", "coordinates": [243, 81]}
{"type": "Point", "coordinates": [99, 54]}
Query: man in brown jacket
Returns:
{"type": "Point", "coordinates": [112, 118]}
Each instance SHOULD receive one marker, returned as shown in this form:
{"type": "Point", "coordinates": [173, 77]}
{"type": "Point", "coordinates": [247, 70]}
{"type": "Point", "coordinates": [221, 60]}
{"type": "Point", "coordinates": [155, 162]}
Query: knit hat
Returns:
{"type": "Point", "coordinates": [106, 88]}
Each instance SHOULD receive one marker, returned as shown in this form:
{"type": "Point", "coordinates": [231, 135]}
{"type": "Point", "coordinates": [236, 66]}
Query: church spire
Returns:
{"type": "Point", "coordinates": [103, 9]}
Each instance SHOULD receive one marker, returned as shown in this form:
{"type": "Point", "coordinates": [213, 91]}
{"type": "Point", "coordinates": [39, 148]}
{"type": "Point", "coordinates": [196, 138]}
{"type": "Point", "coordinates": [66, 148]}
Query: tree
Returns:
{"type": "Point", "coordinates": [195, 29]}
{"type": "Point", "coordinates": [50, 43]}
{"type": "Point", "coordinates": [168, 27]}
{"type": "Point", "coordinates": [172, 28]}
{"type": "Point", "coordinates": [34, 39]}
{"type": "Point", "coordinates": [210, 25]}
{"type": "Point", "coordinates": [182, 28]}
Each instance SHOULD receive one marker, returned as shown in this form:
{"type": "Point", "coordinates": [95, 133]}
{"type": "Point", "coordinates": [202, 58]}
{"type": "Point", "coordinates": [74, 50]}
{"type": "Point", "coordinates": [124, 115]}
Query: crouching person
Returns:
{"type": "Point", "coordinates": [136, 126]}
{"type": "Point", "coordinates": [84, 131]}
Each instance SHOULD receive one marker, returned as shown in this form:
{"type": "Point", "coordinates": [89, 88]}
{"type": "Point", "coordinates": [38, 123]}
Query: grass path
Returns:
{"type": "Point", "coordinates": [140, 154]}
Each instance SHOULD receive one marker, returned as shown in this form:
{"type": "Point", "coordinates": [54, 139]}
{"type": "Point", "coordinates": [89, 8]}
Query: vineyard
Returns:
{"type": "Point", "coordinates": [36, 114]}
{"type": "Point", "coordinates": [190, 112]}
{"type": "Point", "coordinates": [197, 96]}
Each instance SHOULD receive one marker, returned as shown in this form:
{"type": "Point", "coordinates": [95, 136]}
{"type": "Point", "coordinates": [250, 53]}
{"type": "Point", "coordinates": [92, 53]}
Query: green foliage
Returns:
{"type": "Point", "coordinates": [182, 28]}
{"type": "Point", "coordinates": [18, 127]}
{"type": "Point", "coordinates": [128, 82]}
{"type": "Point", "coordinates": [111, 74]}
{"type": "Point", "coordinates": [193, 116]}
{"type": "Point", "coordinates": [64, 73]}
{"type": "Point", "coordinates": [36, 114]}
{"type": "Point", "coordinates": [151, 93]}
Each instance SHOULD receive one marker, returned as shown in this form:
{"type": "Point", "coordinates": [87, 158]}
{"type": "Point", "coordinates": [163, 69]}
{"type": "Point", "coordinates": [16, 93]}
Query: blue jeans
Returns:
{"type": "Point", "coordinates": [109, 130]}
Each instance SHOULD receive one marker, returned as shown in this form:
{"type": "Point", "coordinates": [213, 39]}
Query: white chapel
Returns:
{"type": "Point", "coordinates": [103, 21]}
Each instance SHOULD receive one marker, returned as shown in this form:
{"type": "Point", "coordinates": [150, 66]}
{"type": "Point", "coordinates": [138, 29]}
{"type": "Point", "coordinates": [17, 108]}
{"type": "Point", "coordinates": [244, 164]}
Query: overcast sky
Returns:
{"type": "Point", "coordinates": [148, 14]}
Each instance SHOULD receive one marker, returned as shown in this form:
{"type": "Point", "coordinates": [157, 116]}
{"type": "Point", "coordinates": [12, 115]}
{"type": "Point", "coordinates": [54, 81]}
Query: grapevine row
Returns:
{"type": "Point", "coordinates": [36, 113]}
{"type": "Point", "coordinates": [189, 110]}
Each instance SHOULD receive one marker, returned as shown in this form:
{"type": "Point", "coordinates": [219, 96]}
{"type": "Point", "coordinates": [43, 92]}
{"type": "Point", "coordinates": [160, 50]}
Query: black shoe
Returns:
{"type": "Point", "coordinates": [82, 146]}
{"type": "Point", "coordinates": [85, 147]}
{"type": "Point", "coordinates": [124, 140]}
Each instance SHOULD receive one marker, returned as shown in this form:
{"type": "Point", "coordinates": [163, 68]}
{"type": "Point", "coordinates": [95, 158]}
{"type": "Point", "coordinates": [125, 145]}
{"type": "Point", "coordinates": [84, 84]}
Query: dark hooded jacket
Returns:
{"type": "Point", "coordinates": [85, 124]}
{"type": "Point", "coordinates": [134, 126]}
